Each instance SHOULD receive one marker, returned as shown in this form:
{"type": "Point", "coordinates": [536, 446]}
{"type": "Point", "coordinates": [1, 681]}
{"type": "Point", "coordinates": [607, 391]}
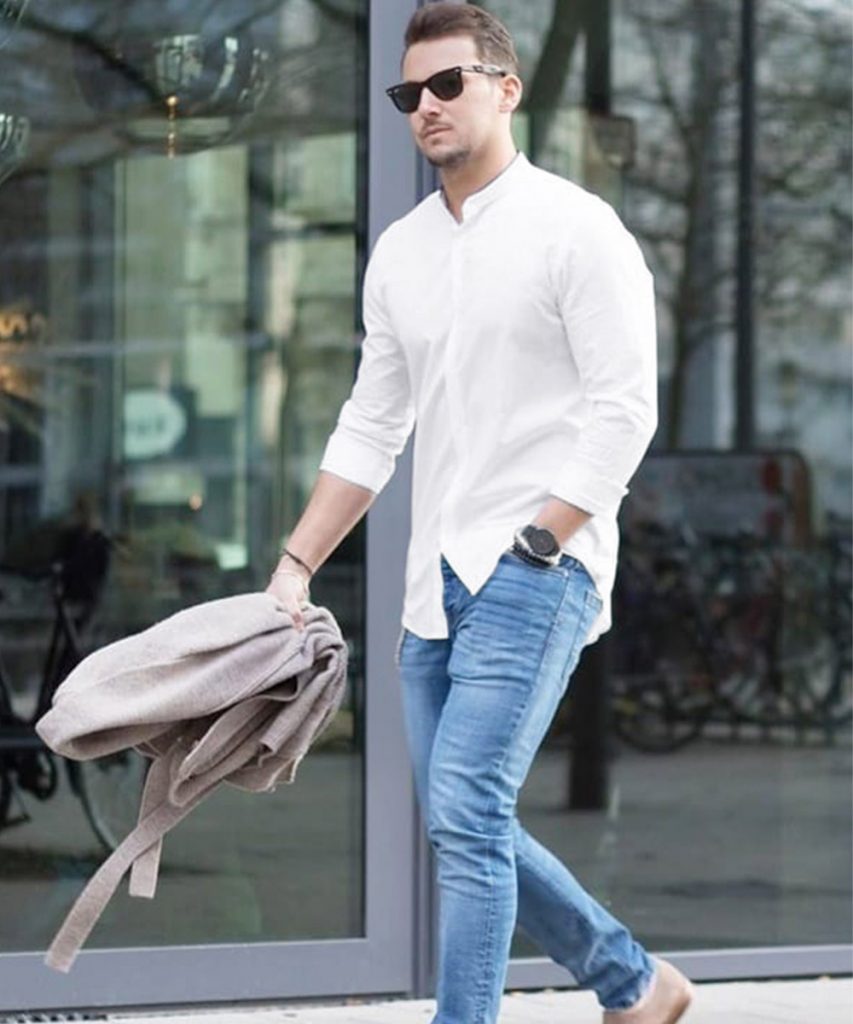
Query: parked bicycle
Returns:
{"type": "Point", "coordinates": [108, 788]}
{"type": "Point", "coordinates": [731, 628]}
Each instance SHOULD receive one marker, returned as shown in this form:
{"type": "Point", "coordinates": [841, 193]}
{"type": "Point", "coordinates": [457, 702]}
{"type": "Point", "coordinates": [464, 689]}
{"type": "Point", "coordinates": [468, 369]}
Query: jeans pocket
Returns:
{"type": "Point", "coordinates": [398, 650]}
{"type": "Point", "coordinates": [577, 616]}
{"type": "Point", "coordinates": [593, 599]}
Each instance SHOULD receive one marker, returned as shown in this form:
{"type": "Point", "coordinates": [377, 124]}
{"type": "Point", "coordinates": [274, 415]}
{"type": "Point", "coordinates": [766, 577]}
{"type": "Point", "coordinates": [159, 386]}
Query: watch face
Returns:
{"type": "Point", "coordinates": [541, 540]}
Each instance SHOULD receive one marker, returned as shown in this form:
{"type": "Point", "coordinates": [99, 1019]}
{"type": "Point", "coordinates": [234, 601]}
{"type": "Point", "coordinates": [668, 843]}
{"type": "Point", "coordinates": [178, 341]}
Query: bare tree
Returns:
{"type": "Point", "coordinates": [676, 72]}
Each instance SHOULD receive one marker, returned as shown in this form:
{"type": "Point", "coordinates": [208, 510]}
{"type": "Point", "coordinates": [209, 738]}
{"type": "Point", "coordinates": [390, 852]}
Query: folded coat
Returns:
{"type": "Point", "coordinates": [224, 691]}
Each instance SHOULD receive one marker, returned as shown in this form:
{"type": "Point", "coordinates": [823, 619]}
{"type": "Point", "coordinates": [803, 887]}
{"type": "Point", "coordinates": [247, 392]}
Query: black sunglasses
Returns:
{"type": "Point", "coordinates": [446, 85]}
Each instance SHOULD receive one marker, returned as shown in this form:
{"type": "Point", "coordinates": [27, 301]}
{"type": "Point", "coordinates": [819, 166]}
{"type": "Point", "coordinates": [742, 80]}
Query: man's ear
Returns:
{"type": "Point", "coordinates": [512, 89]}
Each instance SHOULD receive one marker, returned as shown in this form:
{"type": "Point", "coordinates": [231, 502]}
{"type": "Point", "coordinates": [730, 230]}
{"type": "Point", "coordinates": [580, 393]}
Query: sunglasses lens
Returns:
{"type": "Point", "coordinates": [406, 96]}
{"type": "Point", "coordinates": [446, 85]}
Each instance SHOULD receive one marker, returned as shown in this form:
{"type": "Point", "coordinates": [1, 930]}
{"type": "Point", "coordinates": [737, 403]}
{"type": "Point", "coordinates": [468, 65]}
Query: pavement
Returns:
{"type": "Point", "coordinates": [816, 1001]}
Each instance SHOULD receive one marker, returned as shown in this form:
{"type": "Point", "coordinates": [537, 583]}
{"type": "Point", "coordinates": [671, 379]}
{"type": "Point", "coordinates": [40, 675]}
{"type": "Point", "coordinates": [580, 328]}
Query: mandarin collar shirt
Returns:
{"type": "Point", "coordinates": [519, 345]}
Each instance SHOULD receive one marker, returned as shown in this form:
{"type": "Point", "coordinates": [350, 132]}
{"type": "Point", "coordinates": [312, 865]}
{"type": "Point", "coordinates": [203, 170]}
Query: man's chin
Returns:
{"type": "Point", "coordinates": [449, 158]}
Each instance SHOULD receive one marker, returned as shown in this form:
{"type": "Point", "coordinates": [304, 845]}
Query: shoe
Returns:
{"type": "Point", "coordinates": [664, 1001]}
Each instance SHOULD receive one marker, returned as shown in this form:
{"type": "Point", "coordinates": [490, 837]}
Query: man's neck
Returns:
{"type": "Point", "coordinates": [461, 182]}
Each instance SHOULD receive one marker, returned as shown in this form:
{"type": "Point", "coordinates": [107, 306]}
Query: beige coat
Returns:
{"type": "Point", "coordinates": [224, 691]}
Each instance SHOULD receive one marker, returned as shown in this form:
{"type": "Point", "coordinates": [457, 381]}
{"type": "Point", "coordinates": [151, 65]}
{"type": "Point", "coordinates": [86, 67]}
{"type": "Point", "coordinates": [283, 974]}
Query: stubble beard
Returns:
{"type": "Point", "coordinates": [451, 159]}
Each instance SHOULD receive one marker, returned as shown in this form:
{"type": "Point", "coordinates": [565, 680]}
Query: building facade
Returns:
{"type": "Point", "coordinates": [188, 196]}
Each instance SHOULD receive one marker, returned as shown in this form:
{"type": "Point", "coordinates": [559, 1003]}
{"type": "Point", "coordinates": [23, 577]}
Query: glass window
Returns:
{"type": "Point", "coordinates": [725, 681]}
{"type": "Point", "coordinates": [183, 225]}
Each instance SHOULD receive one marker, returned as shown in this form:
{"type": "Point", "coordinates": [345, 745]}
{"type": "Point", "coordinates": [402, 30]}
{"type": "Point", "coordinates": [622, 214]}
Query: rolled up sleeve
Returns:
{"type": "Point", "coordinates": [374, 423]}
{"type": "Point", "coordinates": [607, 306]}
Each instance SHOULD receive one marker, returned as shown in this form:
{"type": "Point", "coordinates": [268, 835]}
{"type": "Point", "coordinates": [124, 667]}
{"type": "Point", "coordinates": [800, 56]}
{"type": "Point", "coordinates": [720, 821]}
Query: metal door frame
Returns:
{"type": "Point", "coordinates": [383, 961]}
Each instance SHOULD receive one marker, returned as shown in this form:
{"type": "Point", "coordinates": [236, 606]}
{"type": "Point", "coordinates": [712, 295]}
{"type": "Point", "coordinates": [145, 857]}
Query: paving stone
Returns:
{"type": "Point", "coordinates": [822, 1001]}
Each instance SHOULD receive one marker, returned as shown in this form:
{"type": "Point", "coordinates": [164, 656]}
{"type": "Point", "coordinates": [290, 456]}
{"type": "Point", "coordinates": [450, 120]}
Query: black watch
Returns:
{"type": "Point", "coordinates": [537, 544]}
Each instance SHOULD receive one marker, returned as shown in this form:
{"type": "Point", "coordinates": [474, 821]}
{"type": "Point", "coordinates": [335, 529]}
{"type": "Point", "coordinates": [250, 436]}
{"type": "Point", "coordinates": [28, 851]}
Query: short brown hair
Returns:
{"type": "Point", "coordinates": [491, 37]}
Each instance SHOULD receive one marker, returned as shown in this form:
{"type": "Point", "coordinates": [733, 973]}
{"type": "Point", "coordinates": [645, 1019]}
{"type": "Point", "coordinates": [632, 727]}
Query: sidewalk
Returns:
{"type": "Point", "coordinates": [819, 1001]}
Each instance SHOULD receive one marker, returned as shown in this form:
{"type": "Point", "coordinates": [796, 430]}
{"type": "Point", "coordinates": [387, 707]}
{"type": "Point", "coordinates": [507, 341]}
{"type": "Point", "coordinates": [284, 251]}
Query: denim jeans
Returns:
{"type": "Point", "coordinates": [476, 708]}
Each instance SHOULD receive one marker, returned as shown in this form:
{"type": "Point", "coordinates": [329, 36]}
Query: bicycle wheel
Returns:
{"type": "Point", "coordinates": [110, 789]}
{"type": "Point", "coordinates": [810, 667]}
{"type": "Point", "coordinates": [749, 691]}
{"type": "Point", "coordinates": [837, 707]}
{"type": "Point", "coordinates": [661, 683]}
{"type": "Point", "coordinates": [797, 678]}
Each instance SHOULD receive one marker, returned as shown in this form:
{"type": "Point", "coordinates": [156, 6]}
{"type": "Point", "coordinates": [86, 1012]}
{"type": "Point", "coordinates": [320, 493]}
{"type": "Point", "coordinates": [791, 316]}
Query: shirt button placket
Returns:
{"type": "Point", "coordinates": [452, 376]}
{"type": "Point", "coordinates": [451, 353]}
{"type": "Point", "coordinates": [453, 369]}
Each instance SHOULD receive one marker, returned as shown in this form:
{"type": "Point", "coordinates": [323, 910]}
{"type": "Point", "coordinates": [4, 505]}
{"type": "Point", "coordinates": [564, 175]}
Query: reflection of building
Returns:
{"type": "Point", "coordinates": [177, 335]}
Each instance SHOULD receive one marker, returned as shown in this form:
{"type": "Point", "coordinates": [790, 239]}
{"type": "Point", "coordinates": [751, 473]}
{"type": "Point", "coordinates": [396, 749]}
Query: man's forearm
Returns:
{"type": "Point", "coordinates": [333, 509]}
{"type": "Point", "coordinates": [337, 505]}
{"type": "Point", "coordinates": [561, 518]}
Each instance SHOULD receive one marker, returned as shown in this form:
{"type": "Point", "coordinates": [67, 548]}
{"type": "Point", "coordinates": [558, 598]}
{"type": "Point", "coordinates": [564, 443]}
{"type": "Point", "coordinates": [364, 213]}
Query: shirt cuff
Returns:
{"type": "Point", "coordinates": [588, 490]}
{"type": "Point", "coordinates": [356, 461]}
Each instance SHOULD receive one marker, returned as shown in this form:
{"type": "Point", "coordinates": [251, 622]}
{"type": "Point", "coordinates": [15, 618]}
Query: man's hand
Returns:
{"type": "Point", "coordinates": [290, 586]}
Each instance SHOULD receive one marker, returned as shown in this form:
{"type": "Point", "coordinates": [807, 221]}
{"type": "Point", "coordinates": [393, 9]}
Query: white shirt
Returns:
{"type": "Point", "coordinates": [521, 343]}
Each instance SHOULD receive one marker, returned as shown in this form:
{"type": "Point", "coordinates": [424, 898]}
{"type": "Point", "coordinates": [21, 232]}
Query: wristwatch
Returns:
{"type": "Point", "coordinates": [537, 544]}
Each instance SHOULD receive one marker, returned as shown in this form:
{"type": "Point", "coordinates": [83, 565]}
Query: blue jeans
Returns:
{"type": "Point", "coordinates": [476, 708]}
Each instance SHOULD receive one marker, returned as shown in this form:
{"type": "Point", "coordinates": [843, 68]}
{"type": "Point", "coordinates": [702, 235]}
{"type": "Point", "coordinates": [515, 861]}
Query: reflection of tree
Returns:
{"type": "Point", "coordinates": [687, 161]}
{"type": "Point", "coordinates": [548, 82]}
{"type": "Point", "coordinates": [349, 13]}
{"type": "Point", "coordinates": [805, 158]}
{"type": "Point", "coordinates": [688, 94]}
{"type": "Point", "coordinates": [677, 74]}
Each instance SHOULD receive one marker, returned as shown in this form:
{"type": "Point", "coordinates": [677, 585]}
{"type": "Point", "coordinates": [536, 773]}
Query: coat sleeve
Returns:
{"type": "Point", "coordinates": [606, 299]}
{"type": "Point", "coordinates": [374, 423]}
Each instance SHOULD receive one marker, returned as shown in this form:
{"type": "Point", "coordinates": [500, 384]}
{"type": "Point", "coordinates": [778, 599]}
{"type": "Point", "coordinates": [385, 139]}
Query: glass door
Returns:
{"type": "Point", "coordinates": [186, 213]}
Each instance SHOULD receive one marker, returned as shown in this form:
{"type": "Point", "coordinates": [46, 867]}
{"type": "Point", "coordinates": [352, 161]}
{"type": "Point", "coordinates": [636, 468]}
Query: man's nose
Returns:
{"type": "Point", "coordinates": [428, 101]}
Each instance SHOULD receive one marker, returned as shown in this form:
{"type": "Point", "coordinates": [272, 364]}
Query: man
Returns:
{"type": "Point", "coordinates": [510, 315]}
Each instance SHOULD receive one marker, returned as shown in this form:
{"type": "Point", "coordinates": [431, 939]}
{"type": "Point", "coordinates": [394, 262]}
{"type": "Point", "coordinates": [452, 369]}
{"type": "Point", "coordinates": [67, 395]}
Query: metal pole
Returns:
{"type": "Point", "coordinates": [588, 767]}
{"type": "Point", "coordinates": [744, 413]}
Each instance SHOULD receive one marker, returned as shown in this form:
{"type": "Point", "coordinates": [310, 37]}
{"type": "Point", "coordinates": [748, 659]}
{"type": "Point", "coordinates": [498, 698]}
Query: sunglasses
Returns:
{"type": "Point", "coordinates": [445, 85]}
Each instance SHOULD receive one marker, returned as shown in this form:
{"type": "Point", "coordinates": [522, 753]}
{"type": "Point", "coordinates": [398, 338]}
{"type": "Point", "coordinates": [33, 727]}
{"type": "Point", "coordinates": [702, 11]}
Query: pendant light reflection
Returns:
{"type": "Point", "coordinates": [174, 94]}
{"type": "Point", "coordinates": [10, 15]}
{"type": "Point", "coordinates": [14, 136]}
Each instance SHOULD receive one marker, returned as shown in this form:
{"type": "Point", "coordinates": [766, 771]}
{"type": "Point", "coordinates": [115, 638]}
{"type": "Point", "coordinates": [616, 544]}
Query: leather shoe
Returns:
{"type": "Point", "coordinates": [664, 1002]}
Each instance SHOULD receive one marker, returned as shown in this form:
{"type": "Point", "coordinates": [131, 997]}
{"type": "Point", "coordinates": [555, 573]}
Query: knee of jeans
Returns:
{"type": "Point", "coordinates": [466, 805]}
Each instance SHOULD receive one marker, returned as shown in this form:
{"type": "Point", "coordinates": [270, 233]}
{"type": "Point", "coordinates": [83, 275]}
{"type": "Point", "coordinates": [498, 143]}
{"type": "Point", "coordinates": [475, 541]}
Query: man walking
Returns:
{"type": "Point", "coordinates": [510, 315]}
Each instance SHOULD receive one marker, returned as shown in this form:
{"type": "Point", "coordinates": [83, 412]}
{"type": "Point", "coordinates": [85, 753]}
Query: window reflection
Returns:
{"type": "Point", "coordinates": [727, 673]}
{"type": "Point", "coordinates": [183, 235]}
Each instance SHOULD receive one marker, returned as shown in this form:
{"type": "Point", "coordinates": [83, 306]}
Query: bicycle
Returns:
{"type": "Point", "coordinates": [734, 628]}
{"type": "Point", "coordinates": [661, 676]}
{"type": "Point", "coordinates": [837, 544]}
{"type": "Point", "coordinates": [108, 788]}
